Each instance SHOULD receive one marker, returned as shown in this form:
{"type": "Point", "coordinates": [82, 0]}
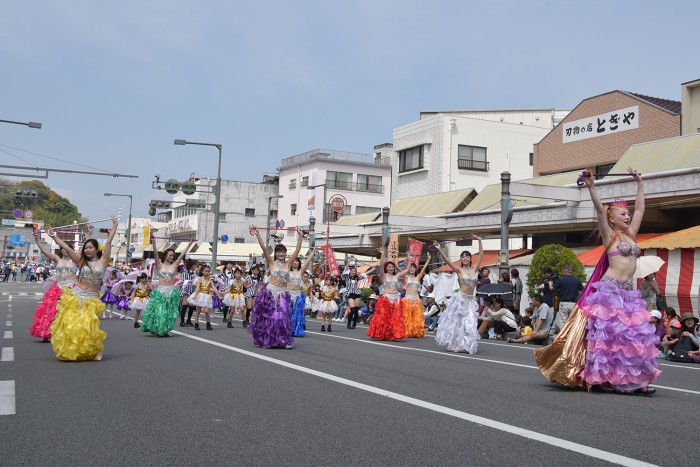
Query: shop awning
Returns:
{"type": "Point", "coordinates": [434, 205]}
{"type": "Point", "coordinates": [686, 238]}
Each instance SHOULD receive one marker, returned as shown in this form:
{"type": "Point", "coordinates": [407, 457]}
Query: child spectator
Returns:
{"type": "Point", "coordinates": [658, 323]}
{"type": "Point", "coordinates": [670, 317]}
{"type": "Point", "coordinates": [669, 341]}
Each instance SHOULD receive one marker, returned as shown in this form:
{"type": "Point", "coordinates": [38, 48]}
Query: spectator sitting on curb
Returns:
{"type": "Point", "coordinates": [658, 323]}
{"type": "Point", "coordinates": [669, 341]}
{"type": "Point", "coordinates": [431, 313]}
{"type": "Point", "coordinates": [687, 341]}
{"type": "Point", "coordinates": [543, 317]}
{"type": "Point", "coordinates": [485, 320]}
{"type": "Point", "coordinates": [670, 317]}
{"type": "Point", "coordinates": [504, 321]}
{"type": "Point", "coordinates": [367, 312]}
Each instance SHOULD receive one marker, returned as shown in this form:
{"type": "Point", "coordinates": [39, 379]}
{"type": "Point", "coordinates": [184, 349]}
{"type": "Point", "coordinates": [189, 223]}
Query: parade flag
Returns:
{"type": "Point", "coordinates": [392, 252]}
{"type": "Point", "coordinates": [331, 263]}
{"type": "Point", "coordinates": [146, 234]}
{"type": "Point", "coordinates": [415, 249]}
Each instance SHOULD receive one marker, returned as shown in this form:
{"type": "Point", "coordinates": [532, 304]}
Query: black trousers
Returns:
{"type": "Point", "coordinates": [502, 327]}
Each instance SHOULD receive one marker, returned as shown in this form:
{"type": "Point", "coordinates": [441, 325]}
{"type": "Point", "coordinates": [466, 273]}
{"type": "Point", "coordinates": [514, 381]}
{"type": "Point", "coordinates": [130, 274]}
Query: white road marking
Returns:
{"type": "Point", "coordinates": [471, 357]}
{"type": "Point", "coordinates": [532, 435]}
{"type": "Point", "coordinates": [7, 398]}
{"type": "Point", "coordinates": [8, 324]}
{"type": "Point", "coordinates": [7, 335]}
{"type": "Point", "coordinates": [9, 315]}
{"type": "Point", "coordinates": [8, 354]}
{"type": "Point", "coordinates": [10, 298]}
{"type": "Point", "coordinates": [22, 294]}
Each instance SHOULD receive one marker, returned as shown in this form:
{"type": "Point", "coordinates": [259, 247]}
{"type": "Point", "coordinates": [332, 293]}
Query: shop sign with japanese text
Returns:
{"type": "Point", "coordinates": [608, 123]}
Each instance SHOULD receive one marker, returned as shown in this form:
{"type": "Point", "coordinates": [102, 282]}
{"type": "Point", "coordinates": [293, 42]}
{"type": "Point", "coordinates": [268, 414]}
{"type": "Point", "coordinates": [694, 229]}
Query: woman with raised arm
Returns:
{"type": "Point", "coordinates": [387, 322]}
{"type": "Point", "coordinates": [163, 308]}
{"type": "Point", "coordinates": [65, 277]}
{"type": "Point", "coordinates": [620, 344]}
{"type": "Point", "coordinates": [271, 319]}
{"type": "Point", "coordinates": [75, 332]}
{"type": "Point", "coordinates": [457, 328]}
{"type": "Point", "coordinates": [354, 294]}
{"type": "Point", "coordinates": [297, 296]}
{"type": "Point", "coordinates": [412, 304]}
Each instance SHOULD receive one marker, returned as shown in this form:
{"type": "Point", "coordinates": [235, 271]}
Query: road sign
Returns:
{"type": "Point", "coordinates": [17, 213]}
{"type": "Point", "coordinates": [18, 240]}
{"type": "Point", "coordinates": [338, 203]}
{"type": "Point", "coordinates": [8, 222]}
{"type": "Point", "coordinates": [28, 214]}
{"type": "Point", "coordinates": [224, 238]}
{"type": "Point", "coordinates": [132, 249]}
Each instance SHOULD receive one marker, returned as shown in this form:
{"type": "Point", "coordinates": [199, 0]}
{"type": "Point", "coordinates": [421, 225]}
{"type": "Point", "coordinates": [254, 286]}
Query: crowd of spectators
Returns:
{"type": "Point", "coordinates": [28, 271]}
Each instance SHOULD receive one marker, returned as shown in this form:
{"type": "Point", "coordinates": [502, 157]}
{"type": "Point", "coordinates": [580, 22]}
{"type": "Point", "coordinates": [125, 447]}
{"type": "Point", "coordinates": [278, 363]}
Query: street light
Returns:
{"type": "Point", "coordinates": [269, 206]}
{"type": "Point", "coordinates": [324, 216]}
{"type": "Point", "coordinates": [29, 124]}
{"type": "Point", "coordinates": [217, 196]}
{"type": "Point", "coordinates": [128, 228]}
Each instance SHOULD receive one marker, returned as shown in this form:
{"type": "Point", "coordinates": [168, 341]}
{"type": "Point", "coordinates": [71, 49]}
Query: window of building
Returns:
{"type": "Point", "coordinates": [369, 183]}
{"type": "Point", "coordinates": [249, 212]}
{"type": "Point", "coordinates": [273, 213]}
{"type": "Point", "coordinates": [603, 169]}
{"type": "Point", "coordinates": [294, 209]}
{"type": "Point", "coordinates": [532, 159]}
{"type": "Point", "coordinates": [411, 159]}
{"type": "Point", "coordinates": [339, 180]}
{"type": "Point", "coordinates": [334, 215]}
{"type": "Point", "coordinates": [304, 181]}
{"type": "Point", "coordinates": [366, 209]}
{"type": "Point", "coordinates": [238, 240]}
{"type": "Point", "coordinates": [293, 184]}
{"type": "Point", "coordinates": [472, 158]}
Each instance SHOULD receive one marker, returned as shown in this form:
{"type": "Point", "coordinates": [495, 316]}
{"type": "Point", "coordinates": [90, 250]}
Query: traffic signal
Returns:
{"type": "Point", "coordinates": [105, 230]}
{"type": "Point", "coordinates": [25, 193]}
{"type": "Point", "coordinates": [159, 204]}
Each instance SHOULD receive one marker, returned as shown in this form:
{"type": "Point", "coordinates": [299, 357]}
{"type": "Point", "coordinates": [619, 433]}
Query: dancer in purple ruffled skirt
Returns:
{"type": "Point", "coordinates": [271, 320]}
{"type": "Point", "coordinates": [621, 351]}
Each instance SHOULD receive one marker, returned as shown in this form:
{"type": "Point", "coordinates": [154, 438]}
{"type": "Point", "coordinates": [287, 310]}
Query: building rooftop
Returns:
{"type": "Point", "coordinates": [434, 205]}
{"type": "Point", "coordinates": [667, 104]}
{"type": "Point", "coordinates": [332, 154]}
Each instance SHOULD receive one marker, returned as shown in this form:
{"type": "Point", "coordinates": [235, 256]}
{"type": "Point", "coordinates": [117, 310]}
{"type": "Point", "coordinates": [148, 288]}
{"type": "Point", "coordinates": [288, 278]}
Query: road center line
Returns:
{"type": "Point", "coordinates": [551, 440]}
{"type": "Point", "coordinates": [7, 398]}
{"type": "Point", "coordinates": [9, 315]}
{"type": "Point", "coordinates": [8, 324]}
{"type": "Point", "coordinates": [7, 335]}
{"type": "Point", "coordinates": [8, 354]}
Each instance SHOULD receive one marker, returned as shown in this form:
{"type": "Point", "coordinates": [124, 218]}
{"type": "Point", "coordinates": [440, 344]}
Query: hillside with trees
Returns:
{"type": "Point", "coordinates": [48, 206]}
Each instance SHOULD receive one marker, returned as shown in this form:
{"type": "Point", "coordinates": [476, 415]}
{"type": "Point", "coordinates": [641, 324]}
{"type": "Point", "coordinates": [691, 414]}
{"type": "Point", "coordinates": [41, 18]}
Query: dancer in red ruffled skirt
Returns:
{"type": "Point", "coordinates": [387, 323]}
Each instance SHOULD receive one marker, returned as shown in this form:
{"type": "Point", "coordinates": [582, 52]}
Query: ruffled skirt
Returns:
{"type": "Point", "coordinates": [75, 332]}
{"type": "Point", "coordinates": [327, 306]}
{"type": "Point", "coordinates": [298, 318]}
{"type": "Point", "coordinates": [162, 311]}
{"type": "Point", "coordinates": [215, 301]}
{"type": "Point", "coordinates": [139, 303]}
{"type": "Point", "coordinates": [236, 300]}
{"type": "Point", "coordinates": [413, 319]}
{"type": "Point", "coordinates": [123, 303]}
{"type": "Point", "coordinates": [457, 328]}
{"type": "Point", "coordinates": [45, 313]}
{"type": "Point", "coordinates": [109, 298]}
{"type": "Point", "coordinates": [621, 343]}
{"type": "Point", "coordinates": [271, 319]}
{"type": "Point", "coordinates": [202, 299]}
{"type": "Point", "coordinates": [387, 322]}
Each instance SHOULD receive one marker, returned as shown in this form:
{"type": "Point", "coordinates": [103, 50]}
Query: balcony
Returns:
{"type": "Point", "coordinates": [469, 164]}
{"type": "Point", "coordinates": [353, 186]}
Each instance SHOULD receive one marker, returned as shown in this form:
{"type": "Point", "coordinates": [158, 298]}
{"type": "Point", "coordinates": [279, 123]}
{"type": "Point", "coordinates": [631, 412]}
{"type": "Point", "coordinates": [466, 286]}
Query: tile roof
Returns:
{"type": "Point", "coordinates": [434, 205]}
{"type": "Point", "coordinates": [667, 104]}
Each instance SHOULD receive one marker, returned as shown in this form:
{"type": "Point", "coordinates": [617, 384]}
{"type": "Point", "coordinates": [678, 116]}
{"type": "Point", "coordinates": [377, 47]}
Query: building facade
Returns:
{"type": "Point", "coordinates": [456, 150]}
{"type": "Point", "coordinates": [601, 128]}
{"type": "Point", "coordinates": [308, 181]}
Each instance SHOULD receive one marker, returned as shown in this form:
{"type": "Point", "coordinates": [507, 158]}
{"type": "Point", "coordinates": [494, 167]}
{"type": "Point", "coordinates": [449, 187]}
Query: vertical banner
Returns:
{"type": "Point", "coordinates": [415, 249]}
{"type": "Point", "coordinates": [146, 234]}
{"type": "Point", "coordinates": [392, 252]}
{"type": "Point", "coordinates": [331, 263]}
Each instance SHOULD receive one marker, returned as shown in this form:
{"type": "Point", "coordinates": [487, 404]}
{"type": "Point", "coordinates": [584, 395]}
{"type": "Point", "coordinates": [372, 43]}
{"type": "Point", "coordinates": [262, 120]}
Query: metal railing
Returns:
{"type": "Point", "coordinates": [335, 155]}
{"type": "Point", "coordinates": [470, 164]}
{"type": "Point", "coordinates": [354, 186]}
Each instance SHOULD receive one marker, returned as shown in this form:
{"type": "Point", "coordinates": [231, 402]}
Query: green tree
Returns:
{"type": "Point", "coordinates": [555, 256]}
{"type": "Point", "coordinates": [48, 206]}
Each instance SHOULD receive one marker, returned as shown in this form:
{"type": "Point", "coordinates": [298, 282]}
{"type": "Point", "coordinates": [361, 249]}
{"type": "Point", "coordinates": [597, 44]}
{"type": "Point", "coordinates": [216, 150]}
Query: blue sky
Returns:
{"type": "Point", "coordinates": [115, 82]}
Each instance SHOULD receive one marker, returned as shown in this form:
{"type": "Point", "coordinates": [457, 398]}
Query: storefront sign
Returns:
{"type": "Point", "coordinates": [392, 253]}
{"type": "Point", "coordinates": [185, 224]}
{"type": "Point", "coordinates": [608, 123]}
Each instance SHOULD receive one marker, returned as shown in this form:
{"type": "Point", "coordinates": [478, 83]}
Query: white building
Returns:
{"type": "Point", "coordinates": [242, 204]}
{"type": "Point", "coordinates": [454, 150]}
{"type": "Point", "coordinates": [362, 179]}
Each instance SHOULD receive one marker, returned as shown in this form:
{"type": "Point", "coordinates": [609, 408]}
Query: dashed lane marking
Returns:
{"type": "Point", "coordinates": [7, 398]}
{"type": "Point", "coordinates": [7, 335]}
{"type": "Point", "coordinates": [8, 354]}
{"type": "Point", "coordinates": [8, 324]}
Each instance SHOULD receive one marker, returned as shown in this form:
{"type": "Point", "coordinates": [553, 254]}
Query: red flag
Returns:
{"type": "Point", "coordinates": [331, 263]}
{"type": "Point", "coordinates": [415, 249]}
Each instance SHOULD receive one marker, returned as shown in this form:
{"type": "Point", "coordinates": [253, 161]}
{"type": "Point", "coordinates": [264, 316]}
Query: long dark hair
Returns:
{"type": "Point", "coordinates": [84, 260]}
{"type": "Point", "coordinates": [387, 264]}
{"type": "Point", "coordinates": [165, 254]}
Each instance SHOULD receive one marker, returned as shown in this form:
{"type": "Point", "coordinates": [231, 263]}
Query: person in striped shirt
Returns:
{"type": "Point", "coordinates": [353, 292]}
{"type": "Point", "coordinates": [188, 278]}
{"type": "Point", "coordinates": [252, 284]}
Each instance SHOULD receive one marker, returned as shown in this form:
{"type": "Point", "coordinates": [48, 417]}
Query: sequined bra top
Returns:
{"type": "Point", "coordinates": [141, 291]}
{"type": "Point", "coordinates": [413, 286]}
{"type": "Point", "coordinates": [626, 249]}
{"type": "Point", "coordinates": [468, 278]}
{"type": "Point", "coordinates": [92, 273]}
{"type": "Point", "coordinates": [236, 289]}
{"type": "Point", "coordinates": [167, 274]}
{"type": "Point", "coordinates": [295, 279]}
{"type": "Point", "coordinates": [391, 282]}
{"type": "Point", "coordinates": [204, 285]}
{"type": "Point", "coordinates": [306, 287]}
{"type": "Point", "coordinates": [65, 270]}
{"type": "Point", "coordinates": [281, 273]}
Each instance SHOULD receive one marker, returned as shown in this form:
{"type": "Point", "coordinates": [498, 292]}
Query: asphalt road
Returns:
{"type": "Point", "coordinates": [212, 398]}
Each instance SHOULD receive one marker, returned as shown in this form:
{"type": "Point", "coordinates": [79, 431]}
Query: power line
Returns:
{"type": "Point", "coordinates": [16, 157]}
{"type": "Point", "coordinates": [52, 158]}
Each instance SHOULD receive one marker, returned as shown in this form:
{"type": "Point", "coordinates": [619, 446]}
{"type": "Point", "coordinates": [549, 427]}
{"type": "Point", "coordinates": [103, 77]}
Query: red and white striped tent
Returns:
{"type": "Point", "coordinates": [679, 278]}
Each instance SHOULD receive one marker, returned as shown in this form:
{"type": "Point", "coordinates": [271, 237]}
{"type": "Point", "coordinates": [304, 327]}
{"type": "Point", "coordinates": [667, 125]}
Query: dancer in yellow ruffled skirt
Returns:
{"type": "Point", "coordinates": [75, 332]}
